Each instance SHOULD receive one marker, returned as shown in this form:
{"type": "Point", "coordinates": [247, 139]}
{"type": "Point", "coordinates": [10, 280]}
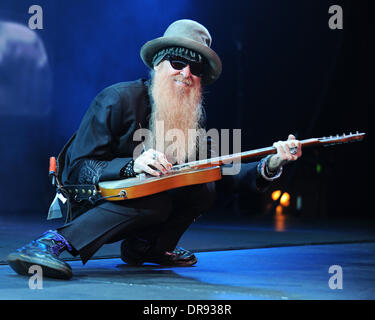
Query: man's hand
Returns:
{"type": "Point", "coordinates": [287, 151]}
{"type": "Point", "coordinates": [153, 158]}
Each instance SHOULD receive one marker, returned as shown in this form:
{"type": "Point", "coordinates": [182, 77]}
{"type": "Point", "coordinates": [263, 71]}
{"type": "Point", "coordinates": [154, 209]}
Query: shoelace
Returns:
{"type": "Point", "coordinates": [60, 242]}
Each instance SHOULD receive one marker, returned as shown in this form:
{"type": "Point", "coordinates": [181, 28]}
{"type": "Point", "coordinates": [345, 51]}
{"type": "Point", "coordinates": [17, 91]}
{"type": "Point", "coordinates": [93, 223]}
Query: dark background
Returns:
{"type": "Point", "coordinates": [284, 71]}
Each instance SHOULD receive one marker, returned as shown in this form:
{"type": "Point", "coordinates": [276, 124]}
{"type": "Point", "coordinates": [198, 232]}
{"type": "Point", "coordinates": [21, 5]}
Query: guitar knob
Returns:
{"type": "Point", "coordinates": [123, 193]}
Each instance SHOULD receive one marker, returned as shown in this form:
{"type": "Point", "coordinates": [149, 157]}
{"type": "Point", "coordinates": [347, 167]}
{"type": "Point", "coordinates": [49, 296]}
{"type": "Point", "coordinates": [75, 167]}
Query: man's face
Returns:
{"type": "Point", "coordinates": [183, 80]}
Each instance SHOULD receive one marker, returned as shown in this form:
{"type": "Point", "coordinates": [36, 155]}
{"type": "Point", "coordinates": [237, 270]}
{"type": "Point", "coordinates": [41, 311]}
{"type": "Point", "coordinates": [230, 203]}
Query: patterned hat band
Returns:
{"type": "Point", "coordinates": [177, 51]}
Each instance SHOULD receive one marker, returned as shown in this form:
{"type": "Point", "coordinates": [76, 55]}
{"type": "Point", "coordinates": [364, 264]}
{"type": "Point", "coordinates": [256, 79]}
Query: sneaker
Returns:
{"type": "Point", "coordinates": [44, 252]}
{"type": "Point", "coordinates": [136, 251]}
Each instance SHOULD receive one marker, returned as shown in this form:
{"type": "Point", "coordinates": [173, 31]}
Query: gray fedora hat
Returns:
{"type": "Point", "coordinates": [187, 34]}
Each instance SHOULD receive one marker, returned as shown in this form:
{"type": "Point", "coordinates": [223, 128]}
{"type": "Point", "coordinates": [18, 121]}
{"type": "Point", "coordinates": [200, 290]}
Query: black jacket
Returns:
{"type": "Point", "coordinates": [104, 144]}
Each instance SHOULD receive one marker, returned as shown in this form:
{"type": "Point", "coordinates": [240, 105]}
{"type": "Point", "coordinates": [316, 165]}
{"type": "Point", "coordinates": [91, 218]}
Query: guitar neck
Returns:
{"type": "Point", "coordinates": [217, 161]}
{"type": "Point", "coordinates": [256, 153]}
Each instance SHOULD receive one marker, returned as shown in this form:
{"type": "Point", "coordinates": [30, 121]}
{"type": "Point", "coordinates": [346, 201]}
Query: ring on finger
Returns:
{"type": "Point", "coordinates": [154, 156]}
{"type": "Point", "coordinates": [293, 150]}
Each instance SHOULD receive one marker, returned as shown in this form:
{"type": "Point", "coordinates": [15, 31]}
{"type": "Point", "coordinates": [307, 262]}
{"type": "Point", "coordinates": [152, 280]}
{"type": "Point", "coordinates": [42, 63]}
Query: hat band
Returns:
{"type": "Point", "coordinates": [177, 51]}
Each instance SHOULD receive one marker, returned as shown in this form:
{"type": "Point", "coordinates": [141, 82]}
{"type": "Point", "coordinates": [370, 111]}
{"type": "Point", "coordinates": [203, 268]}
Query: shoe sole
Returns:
{"type": "Point", "coordinates": [132, 259]}
{"type": "Point", "coordinates": [138, 263]}
{"type": "Point", "coordinates": [21, 264]}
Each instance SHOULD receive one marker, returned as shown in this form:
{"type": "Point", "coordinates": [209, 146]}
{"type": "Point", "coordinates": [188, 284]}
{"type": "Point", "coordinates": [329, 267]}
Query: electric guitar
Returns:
{"type": "Point", "coordinates": [198, 172]}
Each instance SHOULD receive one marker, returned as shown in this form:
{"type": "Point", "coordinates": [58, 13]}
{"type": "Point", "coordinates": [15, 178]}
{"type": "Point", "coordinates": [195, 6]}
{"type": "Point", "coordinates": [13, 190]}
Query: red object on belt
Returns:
{"type": "Point", "coordinates": [52, 165]}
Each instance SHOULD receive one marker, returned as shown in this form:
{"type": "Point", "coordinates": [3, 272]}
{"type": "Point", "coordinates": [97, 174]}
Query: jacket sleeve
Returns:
{"type": "Point", "coordinates": [93, 155]}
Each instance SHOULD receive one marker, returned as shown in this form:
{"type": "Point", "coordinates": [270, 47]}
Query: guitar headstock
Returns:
{"type": "Point", "coordinates": [344, 138]}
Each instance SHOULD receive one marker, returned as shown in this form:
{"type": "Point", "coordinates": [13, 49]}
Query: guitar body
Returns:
{"type": "Point", "coordinates": [145, 185]}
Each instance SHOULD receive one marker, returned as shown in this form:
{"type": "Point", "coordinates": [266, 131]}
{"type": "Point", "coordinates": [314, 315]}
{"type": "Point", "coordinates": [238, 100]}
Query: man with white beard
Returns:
{"type": "Point", "coordinates": [103, 148]}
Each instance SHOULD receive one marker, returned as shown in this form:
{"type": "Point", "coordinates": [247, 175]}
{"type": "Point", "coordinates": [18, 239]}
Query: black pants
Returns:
{"type": "Point", "coordinates": [161, 218]}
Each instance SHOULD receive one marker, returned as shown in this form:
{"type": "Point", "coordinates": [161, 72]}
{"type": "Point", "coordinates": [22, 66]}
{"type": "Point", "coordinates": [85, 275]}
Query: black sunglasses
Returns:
{"type": "Point", "coordinates": [179, 63]}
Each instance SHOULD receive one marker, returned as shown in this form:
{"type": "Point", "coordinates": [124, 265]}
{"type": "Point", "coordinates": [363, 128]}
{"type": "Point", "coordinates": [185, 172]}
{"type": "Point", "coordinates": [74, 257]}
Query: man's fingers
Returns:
{"type": "Point", "coordinates": [160, 158]}
{"type": "Point", "coordinates": [156, 164]}
{"type": "Point", "coordinates": [145, 168]}
{"type": "Point", "coordinates": [283, 149]}
{"type": "Point", "coordinates": [164, 162]}
{"type": "Point", "coordinates": [280, 150]}
{"type": "Point", "coordinates": [295, 144]}
{"type": "Point", "coordinates": [286, 155]}
{"type": "Point", "coordinates": [150, 160]}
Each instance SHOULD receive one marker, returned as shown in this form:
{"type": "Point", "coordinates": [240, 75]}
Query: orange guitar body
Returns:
{"type": "Point", "coordinates": [143, 185]}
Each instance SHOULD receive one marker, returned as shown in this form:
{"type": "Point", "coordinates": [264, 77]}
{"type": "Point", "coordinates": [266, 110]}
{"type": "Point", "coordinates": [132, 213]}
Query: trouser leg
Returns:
{"type": "Point", "coordinates": [161, 219]}
{"type": "Point", "coordinates": [112, 221]}
{"type": "Point", "coordinates": [188, 204]}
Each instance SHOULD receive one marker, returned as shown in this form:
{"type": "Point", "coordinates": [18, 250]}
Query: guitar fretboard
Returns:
{"type": "Point", "coordinates": [216, 161]}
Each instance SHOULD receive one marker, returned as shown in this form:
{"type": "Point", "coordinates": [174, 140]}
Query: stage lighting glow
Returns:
{"type": "Point", "coordinates": [279, 210]}
{"type": "Point", "coordinates": [280, 219]}
{"type": "Point", "coordinates": [285, 199]}
{"type": "Point", "coordinates": [276, 195]}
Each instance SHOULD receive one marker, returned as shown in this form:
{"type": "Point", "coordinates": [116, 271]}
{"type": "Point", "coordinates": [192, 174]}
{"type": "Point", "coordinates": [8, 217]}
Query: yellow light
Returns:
{"type": "Point", "coordinates": [276, 195]}
{"type": "Point", "coordinates": [285, 199]}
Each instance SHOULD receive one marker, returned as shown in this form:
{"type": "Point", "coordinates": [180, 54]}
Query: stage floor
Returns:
{"type": "Point", "coordinates": [214, 233]}
{"type": "Point", "coordinates": [260, 258]}
{"type": "Point", "coordinates": [284, 273]}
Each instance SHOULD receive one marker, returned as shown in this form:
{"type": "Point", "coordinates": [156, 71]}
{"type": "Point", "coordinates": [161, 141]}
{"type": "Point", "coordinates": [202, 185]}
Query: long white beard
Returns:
{"type": "Point", "coordinates": [176, 114]}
